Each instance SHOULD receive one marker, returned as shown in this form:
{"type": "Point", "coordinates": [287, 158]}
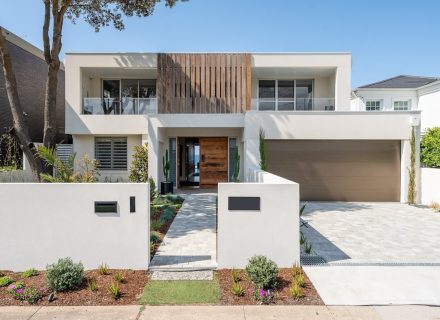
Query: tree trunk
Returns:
{"type": "Point", "coordinates": [50, 106]}
{"type": "Point", "coordinates": [19, 123]}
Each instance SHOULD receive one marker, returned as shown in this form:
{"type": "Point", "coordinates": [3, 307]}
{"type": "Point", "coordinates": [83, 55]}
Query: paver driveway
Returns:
{"type": "Point", "coordinates": [352, 232]}
{"type": "Point", "coordinates": [190, 243]}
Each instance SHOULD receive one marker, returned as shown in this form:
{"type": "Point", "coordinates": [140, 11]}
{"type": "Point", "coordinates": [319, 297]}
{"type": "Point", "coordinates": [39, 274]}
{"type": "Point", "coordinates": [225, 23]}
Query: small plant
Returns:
{"type": "Point", "coordinates": [91, 283]}
{"type": "Point", "coordinates": [236, 174]}
{"type": "Point", "coordinates": [167, 215]}
{"type": "Point", "coordinates": [5, 281]}
{"type": "Point", "coordinates": [166, 166]}
{"type": "Point", "coordinates": [152, 248]}
{"type": "Point", "coordinates": [113, 290]}
{"type": "Point", "coordinates": [65, 275]}
{"type": "Point", "coordinates": [262, 272]}
{"type": "Point", "coordinates": [237, 289]}
{"type": "Point", "coordinates": [156, 225]}
{"type": "Point", "coordinates": [16, 289]}
{"type": "Point", "coordinates": [32, 295]}
{"type": "Point", "coordinates": [264, 296]}
{"type": "Point", "coordinates": [307, 247]}
{"type": "Point", "coordinates": [299, 280]}
{"type": "Point", "coordinates": [435, 206]}
{"type": "Point", "coordinates": [174, 198]}
{"type": "Point", "coordinates": [262, 147]}
{"type": "Point", "coordinates": [29, 273]}
{"type": "Point", "coordinates": [103, 269]}
{"type": "Point", "coordinates": [139, 164]}
{"type": "Point", "coordinates": [296, 291]}
{"type": "Point", "coordinates": [235, 276]}
{"type": "Point", "coordinates": [119, 277]}
{"type": "Point", "coordinates": [155, 237]}
{"type": "Point", "coordinates": [296, 270]}
{"type": "Point", "coordinates": [153, 189]}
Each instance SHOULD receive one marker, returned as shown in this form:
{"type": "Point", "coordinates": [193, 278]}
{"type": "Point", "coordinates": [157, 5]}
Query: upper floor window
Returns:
{"type": "Point", "coordinates": [111, 152]}
{"type": "Point", "coordinates": [373, 105]}
{"type": "Point", "coordinates": [285, 95]}
{"type": "Point", "coordinates": [401, 105]}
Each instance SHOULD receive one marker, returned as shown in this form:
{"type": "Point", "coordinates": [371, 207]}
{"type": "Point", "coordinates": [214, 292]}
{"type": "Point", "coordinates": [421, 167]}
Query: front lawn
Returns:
{"type": "Point", "coordinates": [181, 292]}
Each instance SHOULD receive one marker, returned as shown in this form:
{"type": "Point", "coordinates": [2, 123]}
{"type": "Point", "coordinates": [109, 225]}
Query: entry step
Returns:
{"type": "Point", "coordinates": [183, 275]}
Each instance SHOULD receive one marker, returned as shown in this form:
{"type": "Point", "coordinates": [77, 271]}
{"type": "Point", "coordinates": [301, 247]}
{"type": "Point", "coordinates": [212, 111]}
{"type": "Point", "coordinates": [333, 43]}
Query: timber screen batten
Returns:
{"type": "Point", "coordinates": [204, 83]}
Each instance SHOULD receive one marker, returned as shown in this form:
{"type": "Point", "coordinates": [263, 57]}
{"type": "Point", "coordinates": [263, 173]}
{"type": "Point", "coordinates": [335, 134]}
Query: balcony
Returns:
{"type": "Point", "coordinates": [124, 106]}
{"type": "Point", "coordinates": [295, 104]}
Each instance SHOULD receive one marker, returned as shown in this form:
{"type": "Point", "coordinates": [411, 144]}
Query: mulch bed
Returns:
{"type": "Point", "coordinates": [131, 289]}
{"type": "Point", "coordinates": [281, 294]}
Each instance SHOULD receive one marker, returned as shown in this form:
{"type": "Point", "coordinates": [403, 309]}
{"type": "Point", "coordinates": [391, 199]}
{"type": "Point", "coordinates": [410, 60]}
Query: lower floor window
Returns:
{"type": "Point", "coordinates": [111, 153]}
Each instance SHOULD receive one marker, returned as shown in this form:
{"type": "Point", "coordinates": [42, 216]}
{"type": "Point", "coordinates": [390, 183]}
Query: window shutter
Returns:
{"type": "Point", "coordinates": [111, 153]}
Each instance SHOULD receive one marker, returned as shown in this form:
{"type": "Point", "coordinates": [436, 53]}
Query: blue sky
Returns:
{"type": "Point", "coordinates": [386, 37]}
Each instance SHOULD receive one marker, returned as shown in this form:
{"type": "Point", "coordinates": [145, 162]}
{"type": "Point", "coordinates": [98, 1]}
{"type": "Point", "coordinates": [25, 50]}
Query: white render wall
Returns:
{"type": "Point", "coordinates": [273, 231]}
{"type": "Point", "coordinates": [387, 96]}
{"type": "Point", "coordinates": [430, 191]}
{"type": "Point", "coordinates": [429, 103]}
{"type": "Point", "coordinates": [42, 222]}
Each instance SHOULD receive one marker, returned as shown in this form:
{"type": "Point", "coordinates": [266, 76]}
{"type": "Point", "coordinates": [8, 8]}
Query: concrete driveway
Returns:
{"type": "Point", "coordinates": [375, 253]}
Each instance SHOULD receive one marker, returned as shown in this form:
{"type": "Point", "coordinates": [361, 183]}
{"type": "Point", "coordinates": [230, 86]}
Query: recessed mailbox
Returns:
{"type": "Point", "coordinates": [244, 203]}
{"type": "Point", "coordinates": [106, 207]}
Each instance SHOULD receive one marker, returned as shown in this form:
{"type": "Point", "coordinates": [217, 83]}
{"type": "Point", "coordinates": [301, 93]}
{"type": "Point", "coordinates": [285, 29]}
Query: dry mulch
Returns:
{"type": "Point", "coordinates": [281, 293]}
{"type": "Point", "coordinates": [131, 289]}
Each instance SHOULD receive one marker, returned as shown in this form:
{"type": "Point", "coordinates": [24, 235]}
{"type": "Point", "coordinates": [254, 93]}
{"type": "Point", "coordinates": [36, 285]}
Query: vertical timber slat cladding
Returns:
{"type": "Point", "coordinates": [204, 83]}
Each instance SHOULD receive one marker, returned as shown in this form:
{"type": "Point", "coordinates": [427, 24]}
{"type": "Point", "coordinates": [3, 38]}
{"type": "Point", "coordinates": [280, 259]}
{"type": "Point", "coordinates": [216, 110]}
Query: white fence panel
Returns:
{"type": "Point", "coordinates": [430, 185]}
{"type": "Point", "coordinates": [272, 230]}
{"type": "Point", "coordinates": [43, 222]}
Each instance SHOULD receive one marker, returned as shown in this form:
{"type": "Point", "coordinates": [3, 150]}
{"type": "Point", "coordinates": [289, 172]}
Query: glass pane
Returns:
{"type": "Point", "coordinates": [147, 88]}
{"type": "Point", "coordinates": [286, 89]}
{"type": "Point", "coordinates": [304, 94]}
{"type": "Point", "coordinates": [110, 93]}
{"type": "Point", "coordinates": [266, 89]}
{"type": "Point", "coordinates": [233, 151]}
{"type": "Point", "coordinates": [172, 146]}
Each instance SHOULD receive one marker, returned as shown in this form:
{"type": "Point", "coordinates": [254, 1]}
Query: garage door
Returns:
{"type": "Point", "coordinates": [339, 170]}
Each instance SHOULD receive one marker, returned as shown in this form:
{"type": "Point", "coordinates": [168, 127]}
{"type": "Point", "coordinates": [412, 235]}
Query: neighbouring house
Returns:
{"type": "Point", "coordinates": [31, 72]}
{"type": "Point", "coordinates": [402, 93]}
{"type": "Point", "coordinates": [205, 108]}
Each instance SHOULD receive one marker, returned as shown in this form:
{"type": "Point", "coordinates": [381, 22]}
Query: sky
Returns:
{"type": "Point", "coordinates": [386, 37]}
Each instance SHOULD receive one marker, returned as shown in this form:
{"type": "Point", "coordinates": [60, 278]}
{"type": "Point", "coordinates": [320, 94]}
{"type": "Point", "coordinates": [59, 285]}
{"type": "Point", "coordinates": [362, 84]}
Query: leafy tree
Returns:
{"type": "Point", "coordinates": [98, 14]}
{"type": "Point", "coordinates": [263, 158]}
{"type": "Point", "coordinates": [430, 148]}
{"type": "Point", "coordinates": [139, 165]}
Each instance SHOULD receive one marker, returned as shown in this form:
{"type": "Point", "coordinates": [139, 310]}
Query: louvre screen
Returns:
{"type": "Point", "coordinates": [111, 153]}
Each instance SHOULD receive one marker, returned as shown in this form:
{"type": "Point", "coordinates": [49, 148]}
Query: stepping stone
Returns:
{"type": "Point", "coordinates": [183, 275]}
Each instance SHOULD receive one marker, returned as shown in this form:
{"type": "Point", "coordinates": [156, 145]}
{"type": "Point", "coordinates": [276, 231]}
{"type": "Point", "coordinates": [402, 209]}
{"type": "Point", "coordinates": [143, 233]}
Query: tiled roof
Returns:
{"type": "Point", "coordinates": [401, 82]}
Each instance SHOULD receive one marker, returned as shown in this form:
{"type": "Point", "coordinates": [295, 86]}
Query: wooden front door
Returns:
{"type": "Point", "coordinates": [213, 161]}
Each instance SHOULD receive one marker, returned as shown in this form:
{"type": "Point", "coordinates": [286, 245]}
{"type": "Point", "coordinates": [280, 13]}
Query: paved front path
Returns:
{"type": "Point", "coordinates": [190, 243]}
{"type": "Point", "coordinates": [219, 313]}
{"type": "Point", "coordinates": [354, 232]}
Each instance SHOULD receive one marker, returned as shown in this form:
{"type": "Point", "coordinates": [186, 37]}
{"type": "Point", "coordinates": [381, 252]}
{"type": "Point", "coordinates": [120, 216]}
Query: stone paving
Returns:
{"type": "Point", "coordinates": [190, 243]}
{"type": "Point", "coordinates": [183, 275]}
{"type": "Point", "coordinates": [362, 233]}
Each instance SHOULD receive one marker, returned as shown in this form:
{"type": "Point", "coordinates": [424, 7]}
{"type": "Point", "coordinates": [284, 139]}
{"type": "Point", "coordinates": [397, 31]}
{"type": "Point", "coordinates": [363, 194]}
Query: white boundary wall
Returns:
{"type": "Point", "coordinates": [42, 222]}
{"type": "Point", "coordinates": [430, 191]}
{"type": "Point", "coordinates": [272, 231]}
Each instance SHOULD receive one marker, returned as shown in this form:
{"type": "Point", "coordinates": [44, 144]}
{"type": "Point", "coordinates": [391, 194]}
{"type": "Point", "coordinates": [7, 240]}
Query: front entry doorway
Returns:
{"type": "Point", "coordinates": [202, 161]}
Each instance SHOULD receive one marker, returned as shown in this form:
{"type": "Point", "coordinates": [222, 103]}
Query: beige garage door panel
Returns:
{"type": "Point", "coordinates": [355, 170]}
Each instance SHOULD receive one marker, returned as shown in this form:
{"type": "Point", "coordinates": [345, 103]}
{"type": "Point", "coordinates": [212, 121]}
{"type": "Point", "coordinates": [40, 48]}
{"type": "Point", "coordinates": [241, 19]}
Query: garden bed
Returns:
{"type": "Point", "coordinates": [130, 289]}
{"type": "Point", "coordinates": [282, 294]}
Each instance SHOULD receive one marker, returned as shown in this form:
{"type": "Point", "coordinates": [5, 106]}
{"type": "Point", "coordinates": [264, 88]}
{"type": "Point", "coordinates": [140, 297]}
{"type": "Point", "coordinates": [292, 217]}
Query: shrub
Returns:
{"type": "Point", "coordinates": [296, 291]}
{"type": "Point", "coordinates": [91, 283]}
{"type": "Point", "coordinates": [430, 148]}
{"type": "Point", "coordinates": [16, 289]}
{"type": "Point", "coordinates": [435, 206]}
{"type": "Point", "coordinates": [237, 289]}
{"type": "Point", "coordinates": [29, 273]}
{"type": "Point", "coordinates": [152, 248]}
{"type": "Point", "coordinates": [114, 291]}
{"type": "Point", "coordinates": [5, 281]}
{"type": "Point", "coordinates": [65, 275]}
{"type": "Point", "coordinates": [167, 215]}
{"type": "Point", "coordinates": [103, 269]}
{"type": "Point", "coordinates": [139, 165]}
{"type": "Point", "coordinates": [262, 272]}
{"type": "Point", "coordinates": [119, 277]}
{"type": "Point", "coordinates": [174, 198]}
{"type": "Point", "coordinates": [153, 190]}
{"type": "Point", "coordinates": [155, 237]}
{"type": "Point", "coordinates": [32, 295]}
{"type": "Point", "coordinates": [156, 225]}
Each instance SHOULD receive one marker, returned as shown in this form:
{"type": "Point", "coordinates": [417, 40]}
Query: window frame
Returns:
{"type": "Point", "coordinates": [399, 108]}
{"type": "Point", "coordinates": [113, 166]}
{"type": "Point", "coordinates": [376, 108]}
